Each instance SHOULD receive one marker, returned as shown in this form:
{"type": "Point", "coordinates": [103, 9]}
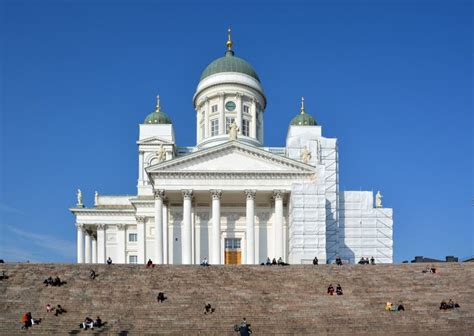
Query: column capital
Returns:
{"type": "Point", "coordinates": [278, 194]}
{"type": "Point", "coordinates": [141, 219]}
{"type": "Point", "coordinates": [100, 226]}
{"type": "Point", "coordinates": [238, 95]}
{"type": "Point", "coordinates": [250, 194]}
{"type": "Point", "coordinates": [159, 194]}
{"type": "Point", "coordinates": [80, 226]}
{"type": "Point", "coordinates": [187, 194]}
{"type": "Point", "coordinates": [216, 194]}
{"type": "Point", "coordinates": [121, 227]}
{"type": "Point", "coordinates": [221, 94]}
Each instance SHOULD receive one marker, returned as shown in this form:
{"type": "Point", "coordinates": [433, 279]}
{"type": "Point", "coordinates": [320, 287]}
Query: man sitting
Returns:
{"type": "Point", "coordinates": [443, 305]}
{"type": "Point", "coordinates": [109, 261]}
{"type": "Point", "coordinates": [92, 274]}
{"type": "Point", "coordinates": [338, 261]}
{"type": "Point", "coordinates": [161, 297]}
{"type": "Point", "coordinates": [331, 290]}
{"type": "Point", "coordinates": [372, 261]}
{"type": "Point", "coordinates": [88, 323]}
{"type": "Point", "coordinates": [339, 289]}
{"type": "Point", "coordinates": [274, 261]}
{"type": "Point", "coordinates": [388, 306]}
{"type": "Point", "coordinates": [48, 281]}
{"type": "Point", "coordinates": [98, 322]}
{"type": "Point", "coordinates": [361, 261]}
{"type": "Point", "coordinates": [269, 262]}
{"type": "Point", "coordinates": [400, 307]}
{"type": "Point", "coordinates": [49, 308]}
{"type": "Point", "coordinates": [59, 310]}
{"type": "Point", "coordinates": [205, 262]}
{"type": "Point", "coordinates": [208, 309]}
{"type": "Point", "coordinates": [57, 281]}
{"type": "Point", "coordinates": [3, 276]}
{"type": "Point", "coordinates": [315, 261]}
{"type": "Point", "coordinates": [149, 264]}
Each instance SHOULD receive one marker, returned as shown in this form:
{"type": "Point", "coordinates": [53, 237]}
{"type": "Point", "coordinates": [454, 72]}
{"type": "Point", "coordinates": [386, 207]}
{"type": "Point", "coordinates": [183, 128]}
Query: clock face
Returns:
{"type": "Point", "coordinates": [230, 106]}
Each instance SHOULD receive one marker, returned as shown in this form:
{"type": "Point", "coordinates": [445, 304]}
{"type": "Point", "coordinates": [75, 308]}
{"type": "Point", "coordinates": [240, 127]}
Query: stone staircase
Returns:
{"type": "Point", "coordinates": [276, 300]}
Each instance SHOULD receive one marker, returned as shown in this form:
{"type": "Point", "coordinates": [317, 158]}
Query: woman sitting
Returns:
{"type": "Point", "coordinates": [339, 289]}
{"type": "Point", "coordinates": [388, 306]}
{"type": "Point", "coordinates": [331, 290]}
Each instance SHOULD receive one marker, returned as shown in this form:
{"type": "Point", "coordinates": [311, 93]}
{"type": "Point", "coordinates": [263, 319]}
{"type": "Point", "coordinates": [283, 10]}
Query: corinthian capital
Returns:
{"type": "Point", "coordinates": [250, 194]}
{"type": "Point", "coordinates": [278, 194]}
{"type": "Point", "coordinates": [141, 219]}
{"type": "Point", "coordinates": [187, 194]}
{"type": "Point", "coordinates": [216, 194]}
{"type": "Point", "coordinates": [80, 226]}
{"type": "Point", "coordinates": [159, 194]}
{"type": "Point", "coordinates": [121, 227]}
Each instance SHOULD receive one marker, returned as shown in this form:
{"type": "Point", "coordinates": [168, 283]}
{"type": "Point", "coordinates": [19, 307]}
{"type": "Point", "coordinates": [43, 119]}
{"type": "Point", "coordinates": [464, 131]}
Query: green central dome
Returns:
{"type": "Point", "coordinates": [229, 63]}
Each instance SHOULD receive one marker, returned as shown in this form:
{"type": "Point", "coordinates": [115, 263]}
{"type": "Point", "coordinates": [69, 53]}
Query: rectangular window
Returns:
{"type": "Point", "coordinates": [246, 109]}
{"type": "Point", "coordinates": [245, 127]}
{"type": "Point", "coordinates": [132, 237]}
{"type": "Point", "coordinates": [133, 259]}
{"type": "Point", "coordinates": [228, 122]}
{"type": "Point", "coordinates": [214, 108]}
{"type": "Point", "coordinates": [214, 127]}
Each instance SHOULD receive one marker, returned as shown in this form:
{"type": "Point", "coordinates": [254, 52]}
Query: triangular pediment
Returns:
{"type": "Point", "coordinates": [154, 141]}
{"type": "Point", "coordinates": [232, 157]}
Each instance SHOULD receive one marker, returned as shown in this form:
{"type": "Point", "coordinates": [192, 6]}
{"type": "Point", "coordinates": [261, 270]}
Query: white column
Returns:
{"type": "Point", "coordinates": [253, 123]}
{"type": "Point", "coordinates": [278, 195]}
{"type": "Point", "coordinates": [141, 240]}
{"type": "Point", "coordinates": [165, 233]}
{"type": "Point", "coordinates": [186, 234]}
{"type": "Point", "coordinates": [101, 239]}
{"type": "Point", "coordinates": [215, 253]}
{"type": "Point", "coordinates": [80, 243]}
{"type": "Point", "coordinates": [88, 247]}
{"type": "Point", "coordinates": [140, 168]}
{"type": "Point", "coordinates": [94, 250]}
{"type": "Point", "coordinates": [240, 108]}
{"type": "Point", "coordinates": [221, 113]}
{"type": "Point", "coordinates": [159, 195]}
{"type": "Point", "coordinates": [206, 119]}
{"type": "Point", "coordinates": [121, 247]}
{"type": "Point", "coordinates": [250, 226]}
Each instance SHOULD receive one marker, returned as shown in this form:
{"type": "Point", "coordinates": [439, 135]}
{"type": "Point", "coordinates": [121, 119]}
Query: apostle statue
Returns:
{"type": "Point", "coordinates": [233, 130]}
{"type": "Point", "coordinates": [378, 200]}
{"type": "Point", "coordinates": [161, 154]}
{"type": "Point", "coordinates": [79, 198]}
{"type": "Point", "coordinates": [96, 198]}
{"type": "Point", "coordinates": [305, 155]}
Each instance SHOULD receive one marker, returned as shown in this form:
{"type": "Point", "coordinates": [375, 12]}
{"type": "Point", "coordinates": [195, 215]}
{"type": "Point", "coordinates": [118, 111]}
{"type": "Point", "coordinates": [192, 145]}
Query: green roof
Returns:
{"type": "Point", "coordinates": [303, 119]}
{"type": "Point", "coordinates": [229, 63]}
{"type": "Point", "coordinates": [157, 118]}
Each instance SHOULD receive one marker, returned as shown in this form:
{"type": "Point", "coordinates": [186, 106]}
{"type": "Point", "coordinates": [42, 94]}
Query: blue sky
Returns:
{"type": "Point", "coordinates": [392, 80]}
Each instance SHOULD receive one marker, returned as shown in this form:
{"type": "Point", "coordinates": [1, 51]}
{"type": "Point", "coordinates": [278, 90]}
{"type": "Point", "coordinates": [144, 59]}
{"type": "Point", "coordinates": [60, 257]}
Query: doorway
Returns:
{"type": "Point", "coordinates": [232, 252]}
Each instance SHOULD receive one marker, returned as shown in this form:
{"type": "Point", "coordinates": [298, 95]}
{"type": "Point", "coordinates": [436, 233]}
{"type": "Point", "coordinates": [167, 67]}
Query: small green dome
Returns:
{"type": "Point", "coordinates": [303, 119]}
{"type": "Point", "coordinates": [157, 117]}
{"type": "Point", "coordinates": [229, 63]}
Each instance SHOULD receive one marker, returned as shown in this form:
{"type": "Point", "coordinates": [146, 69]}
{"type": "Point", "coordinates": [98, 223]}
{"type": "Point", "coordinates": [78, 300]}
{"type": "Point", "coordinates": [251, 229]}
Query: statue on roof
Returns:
{"type": "Point", "coordinates": [233, 131]}
{"type": "Point", "coordinates": [79, 198]}
{"type": "Point", "coordinates": [96, 198]}
{"type": "Point", "coordinates": [378, 200]}
{"type": "Point", "coordinates": [305, 155]}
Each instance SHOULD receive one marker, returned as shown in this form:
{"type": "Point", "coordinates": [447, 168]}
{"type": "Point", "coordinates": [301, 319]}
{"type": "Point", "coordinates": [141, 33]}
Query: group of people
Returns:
{"type": "Point", "coordinates": [56, 282]}
{"type": "Point", "coordinates": [58, 310]}
{"type": "Point", "coordinates": [365, 261]}
{"type": "Point", "coordinates": [338, 290]}
{"type": "Point", "coordinates": [275, 262]}
{"type": "Point", "coordinates": [208, 309]}
{"type": "Point", "coordinates": [394, 307]}
{"type": "Point", "coordinates": [150, 264]}
{"type": "Point", "coordinates": [90, 323]}
{"type": "Point", "coordinates": [161, 297]}
{"type": "Point", "coordinates": [28, 320]}
{"type": "Point", "coordinates": [449, 305]}
{"type": "Point", "coordinates": [205, 262]}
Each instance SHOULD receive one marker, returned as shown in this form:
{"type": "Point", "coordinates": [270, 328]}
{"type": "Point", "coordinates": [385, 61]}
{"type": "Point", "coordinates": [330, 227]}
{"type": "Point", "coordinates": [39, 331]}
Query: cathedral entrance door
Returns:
{"type": "Point", "coordinates": [232, 252]}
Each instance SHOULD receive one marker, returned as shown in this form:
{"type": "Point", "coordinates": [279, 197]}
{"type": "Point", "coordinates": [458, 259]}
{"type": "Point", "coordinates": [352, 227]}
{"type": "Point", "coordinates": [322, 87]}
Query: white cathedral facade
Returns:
{"type": "Point", "coordinates": [230, 198]}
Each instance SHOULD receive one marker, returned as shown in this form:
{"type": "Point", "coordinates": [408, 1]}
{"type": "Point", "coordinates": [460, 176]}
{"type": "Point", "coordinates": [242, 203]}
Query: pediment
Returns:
{"type": "Point", "coordinates": [154, 141]}
{"type": "Point", "coordinates": [232, 157]}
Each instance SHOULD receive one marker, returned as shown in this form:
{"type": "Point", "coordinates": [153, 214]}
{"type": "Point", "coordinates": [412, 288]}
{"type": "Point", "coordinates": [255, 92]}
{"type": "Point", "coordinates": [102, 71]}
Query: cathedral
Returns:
{"type": "Point", "coordinates": [231, 199]}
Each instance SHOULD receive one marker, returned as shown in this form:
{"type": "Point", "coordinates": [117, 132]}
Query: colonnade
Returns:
{"type": "Point", "coordinates": [91, 248]}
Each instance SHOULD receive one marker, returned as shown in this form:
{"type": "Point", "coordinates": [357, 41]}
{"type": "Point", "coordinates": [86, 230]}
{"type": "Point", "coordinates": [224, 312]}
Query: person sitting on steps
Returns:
{"type": "Point", "coordinates": [3, 276]}
{"type": "Point", "coordinates": [59, 310]}
{"type": "Point", "coordinates": [388, 306]}
{"type": "Point", "coordinates": [49, 308]}
{"type": "Point", "coordinates": [269, 262]}
{"type": "Point", "coordinates": [48, 281]}
{"type": "Point", "coordinates": [161, 297]}
{"type": "Point", "coordinates": [315, 261]}
{"type": "Point", "coordinates": [331, 290]}
{"type": "Point", "coordinates": [109, 261]}
{"type": "Point", "coordinates": [338, 289]}
{"type": "Point", "coordinates": [28, 320]}
{"type": "Point", "coordinates": [98, 322]}
{"type": "Point", "coordinates": [338, 261]}
{"type": "Point", "coordinates": [400, 306]}
{"type": "Point", "coordinates": [372, 261]}
{"type": "Point", "coordinates": [205, 262]}
{"type": "Point", "coordinates": [92, 274]}
{"type": "Point", "coordinates": [150, 264]}
{"type": "Point", "coordinates": [274, 261]}
{"type": "Point", "coordinates": [88, 323]}
{"type": "Point", "coordinates": [243, 328]}
{"type": "Point", "coordinates": [208, 309]}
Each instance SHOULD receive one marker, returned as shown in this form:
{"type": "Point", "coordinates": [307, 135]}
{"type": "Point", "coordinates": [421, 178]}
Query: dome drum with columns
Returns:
{"type": "Point", "coordinates": [229, 198]}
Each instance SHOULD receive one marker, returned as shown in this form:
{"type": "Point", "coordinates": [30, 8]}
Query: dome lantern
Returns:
{"type": "Point", "coordinates": [303, 119]}
{"type": "Point", "coordinates": [158, 116]}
